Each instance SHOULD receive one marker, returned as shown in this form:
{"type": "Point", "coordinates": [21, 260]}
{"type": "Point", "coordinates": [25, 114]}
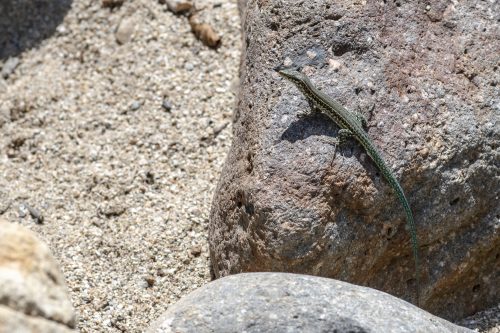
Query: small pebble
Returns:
{"type": "Point", "coordinates": [220, 128]}
{"type": "Point", "coordinates": [35, 214]}
{"type": "Point", "coordinates": [3, 89]}
{"type": "Point", "coordinates": [150, 280]}
{"type": "Point", "coordinates": [112, 210]}
{"type": "Point", "coordinates": [287, 62]}
{"type": "Point", "coordinates": [311, 54]}
{"type": "Point", "coordinates": [333, 64]}
{"type": "Point", "coordinates": [179, 6]}
{"type": "Point", "coordinates": [22, 211]}
{"type": "Point", "coordinates": [196, 250]}
{"type": "Point", "coordinates": [9, 66]}
{"type": "Point", "coordinates": [135, 105]}
{"type": "Point", "coordinates": [112, 3]}
{"type": "Point", "coordinates": [125, 30]}
{"type": "Point", "coordinates": [5, 202]}
{"type": "Point", "coordinates": [166, 105]}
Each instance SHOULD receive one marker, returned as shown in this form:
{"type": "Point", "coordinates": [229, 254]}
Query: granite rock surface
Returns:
{"type": "Point", "coordinates": [282, 302]}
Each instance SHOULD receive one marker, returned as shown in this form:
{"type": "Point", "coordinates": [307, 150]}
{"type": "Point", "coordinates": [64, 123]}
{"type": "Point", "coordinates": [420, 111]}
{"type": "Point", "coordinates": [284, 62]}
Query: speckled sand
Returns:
{"type": "Point", "coordinates": [124, 185]}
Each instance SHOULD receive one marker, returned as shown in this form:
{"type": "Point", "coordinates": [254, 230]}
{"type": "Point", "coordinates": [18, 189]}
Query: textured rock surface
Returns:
{"type": "Point", "coordinates": [285, 203]}
{"type": "Point", "coordinates": [278, 302]}
{"type": "Point", "coordinates": [33, 295]}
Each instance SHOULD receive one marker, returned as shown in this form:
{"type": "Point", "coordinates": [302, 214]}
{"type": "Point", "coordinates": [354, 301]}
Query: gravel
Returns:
{"type": "Point", "coordinates": [123, 186]}
{"type": "Point", "coordinates": [119, 148]}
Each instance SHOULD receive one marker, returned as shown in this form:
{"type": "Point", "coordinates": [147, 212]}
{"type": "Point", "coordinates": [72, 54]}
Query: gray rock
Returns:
{"type": "Point", "coordinates": [289, 201]}
{"type": "Point", "coordinates": [32, 289]}
{"type": "Point", "coordinates": [279, 302]}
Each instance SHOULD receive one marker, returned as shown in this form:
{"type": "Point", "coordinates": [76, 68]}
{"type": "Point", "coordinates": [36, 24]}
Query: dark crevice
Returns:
{"type": "Point", "coordinates": [339, 50]}
{"type": "Point", "coordinates": [333, 17]}
{"type": "Point", "coordinates": [249, 209]}
{"type": "Point", "coordinates": [250, 162]}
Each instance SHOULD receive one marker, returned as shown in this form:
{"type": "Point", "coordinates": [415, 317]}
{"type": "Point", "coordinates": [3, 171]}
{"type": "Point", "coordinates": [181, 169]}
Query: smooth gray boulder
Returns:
{"type": "Point", "coordinates": [426, 77]}
{"type": "Point", "coordinates": [282, 302]}
{"type": "Point", "coordinates": [33, 294]}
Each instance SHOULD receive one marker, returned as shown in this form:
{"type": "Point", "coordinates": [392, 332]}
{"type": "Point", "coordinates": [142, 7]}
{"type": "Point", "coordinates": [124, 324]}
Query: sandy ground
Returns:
{"type": "Point", "coordinates": [123, 184]}
{"type": "Point", "coordinates": [119, 149]}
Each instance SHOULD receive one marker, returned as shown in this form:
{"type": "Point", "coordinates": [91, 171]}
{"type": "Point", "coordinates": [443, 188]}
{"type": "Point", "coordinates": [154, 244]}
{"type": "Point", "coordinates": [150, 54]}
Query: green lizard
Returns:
{"type": "Point", "coordinates": [351, 125]}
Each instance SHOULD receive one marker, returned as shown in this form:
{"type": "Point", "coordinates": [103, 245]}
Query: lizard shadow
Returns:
{"type": "Point", "coordinates": [308, 125]}
{"type": "Point", "coordinates": [320, 125]}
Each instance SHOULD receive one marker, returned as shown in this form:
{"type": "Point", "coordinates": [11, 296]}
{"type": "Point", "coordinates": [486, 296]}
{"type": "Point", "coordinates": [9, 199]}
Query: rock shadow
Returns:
{"type": "Point", "coordinates": [319, 124]}
{"type": "Point", "coordinates": [314, 123]}
{"type": "Point", "coordinates": [25, 23]}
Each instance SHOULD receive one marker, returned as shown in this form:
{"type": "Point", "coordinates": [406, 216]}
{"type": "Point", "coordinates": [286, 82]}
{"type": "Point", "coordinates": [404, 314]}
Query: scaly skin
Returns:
{"type": "Point", "coordinates": [351, 125]}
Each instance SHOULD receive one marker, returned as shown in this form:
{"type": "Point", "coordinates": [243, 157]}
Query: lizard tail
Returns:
{"type": "Point", "coordinates": [393, 182]}
{"type": "Point", "coordinates": [411, 225]}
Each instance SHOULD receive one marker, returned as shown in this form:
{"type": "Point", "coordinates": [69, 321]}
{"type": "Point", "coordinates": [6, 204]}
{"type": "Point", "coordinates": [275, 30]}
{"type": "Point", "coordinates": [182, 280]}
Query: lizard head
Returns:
{"type": "Point", "coordinates": [292, 75]}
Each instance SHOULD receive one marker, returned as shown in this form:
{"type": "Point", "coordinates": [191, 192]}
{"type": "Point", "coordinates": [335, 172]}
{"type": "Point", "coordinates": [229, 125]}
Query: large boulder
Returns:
{"type": "Point", "coordinates": [281, 302]}
{"type": "Point", "coordinates": [33, 294]}
{"type": "Point", "coordinates": [425, 76]}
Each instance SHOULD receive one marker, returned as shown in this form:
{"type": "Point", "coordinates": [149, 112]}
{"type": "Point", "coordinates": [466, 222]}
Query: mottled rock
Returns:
{"type": "Point", "coordinates": [289, 201]}
{"type": "Point", "coordinates": [280, 302]}
{"type": "Point", "coordinates": [33, 293]}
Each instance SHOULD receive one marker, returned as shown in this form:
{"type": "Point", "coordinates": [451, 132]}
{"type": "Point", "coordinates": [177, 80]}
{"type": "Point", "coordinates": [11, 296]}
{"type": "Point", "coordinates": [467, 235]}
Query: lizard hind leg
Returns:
{"type": "Point", "coordinates": [333, 142]}
{"type": "Point", "coordinates": [344, 135]}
